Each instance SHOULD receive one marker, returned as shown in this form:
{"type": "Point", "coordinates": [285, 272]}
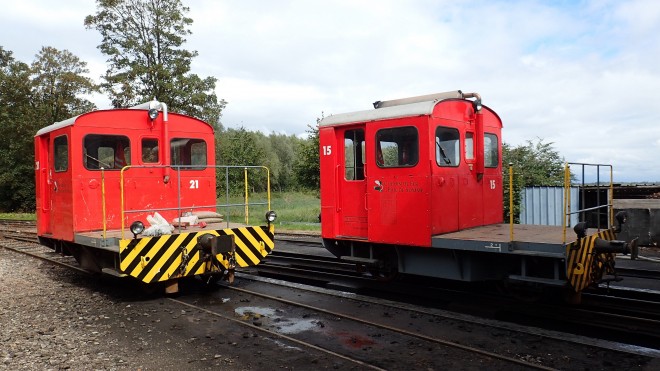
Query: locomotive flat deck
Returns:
{"type": "Point", "coordinates": [527, 239]}
{"type": "Point", "coordinates": [116, 233]}
{"type": "Point", "coordinates": [500, 233]}
{"type": "Point", "coordinates": [112, 236]}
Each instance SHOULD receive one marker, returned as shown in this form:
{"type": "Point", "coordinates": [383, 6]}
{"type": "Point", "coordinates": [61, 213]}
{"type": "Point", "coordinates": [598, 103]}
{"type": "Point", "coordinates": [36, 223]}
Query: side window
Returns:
{"type": "Point", "coordinates": [447, 149]}
{"type": "Point", "coordinates": [149, 150]}
{"type": "Point", "coordinates": [187, 151]}
{"type": "Point", "coordinates": [61, 154]}
{"type": "Point", "coordinates": [354, 154]}
{"type": "Point", "coordinates": [491, 153]}
{"type": "Point", "coordinates": [397, 147]}
{"type": "Point", "coordinates": [469, 145]}
{"type": "Point", "coordinates": [106, 151]}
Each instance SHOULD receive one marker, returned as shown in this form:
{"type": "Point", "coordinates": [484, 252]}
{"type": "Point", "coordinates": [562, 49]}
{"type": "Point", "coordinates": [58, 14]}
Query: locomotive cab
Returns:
{"type": "Point", "coordinates": [105, 170]}
{"type": "Point", "coordinates": [407, 171]}
{"type": "Point", "coordinates": [415, 186]}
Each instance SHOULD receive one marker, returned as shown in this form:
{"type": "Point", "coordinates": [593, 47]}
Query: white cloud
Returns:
{"type": "Point", "coordinates": [583, 75]}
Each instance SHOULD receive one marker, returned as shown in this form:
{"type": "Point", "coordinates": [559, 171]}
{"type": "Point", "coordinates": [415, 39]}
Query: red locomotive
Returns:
{"type": "Point", "coordinates": [415, 186]}
{"type": "Point", "coordinates": [102, 171]}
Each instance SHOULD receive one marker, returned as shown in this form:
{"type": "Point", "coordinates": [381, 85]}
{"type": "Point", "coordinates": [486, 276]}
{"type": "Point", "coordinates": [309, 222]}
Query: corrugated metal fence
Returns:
{"type": "Point", "coordinates": [545, 205]}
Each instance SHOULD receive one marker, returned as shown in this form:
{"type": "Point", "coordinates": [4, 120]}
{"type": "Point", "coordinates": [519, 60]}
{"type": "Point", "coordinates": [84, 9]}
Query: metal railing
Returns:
{"type": "Point", "coordinates": [581, 212]}
{"type": "Point", "coordinates": [180, 208]}
{"type": "Point", "coordinates": [567, 197]}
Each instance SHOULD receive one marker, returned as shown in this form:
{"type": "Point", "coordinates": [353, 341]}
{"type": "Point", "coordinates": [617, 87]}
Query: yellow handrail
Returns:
{"type": "Point", "coordinates": [105, 227]}
{"type": "Point", "coordinates": [268, 184]}
{"type": "Point", "coordinates": [245, 169]}
{"type": "Point", "coordinates": [247, 218]}
{"type": "Point", "coordinates": [567, 200]}
{"type": "Point", "coordinates": [611, 198]}
{"type": "Point", "coordinates": [511, 202]}
{"type": "Point", "coordinates": [121, 190]}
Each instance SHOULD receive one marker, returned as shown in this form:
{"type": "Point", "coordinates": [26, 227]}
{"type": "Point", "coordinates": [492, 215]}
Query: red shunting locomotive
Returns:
{"type": "Point", "coordinates": [414, 186]}
{"type": "Point", "coordinates": [102, 171]}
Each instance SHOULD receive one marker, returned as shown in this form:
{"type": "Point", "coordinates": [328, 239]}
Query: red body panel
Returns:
{"type": "Point", "coordinates": [399, 208]}
{"type": "Point", "coordinates": [409, 203]}
{"type": "Point", "coordinates": [328, 164]}
{"type": "Point", "coordinates": [71, 201]}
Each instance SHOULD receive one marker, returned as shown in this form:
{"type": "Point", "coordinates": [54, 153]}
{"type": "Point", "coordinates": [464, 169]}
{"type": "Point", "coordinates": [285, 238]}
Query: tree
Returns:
{"type": "Point", "coordinates": [18, 124]}
{"type": "Point", "coordinates": [534, 164]}
{"type": "Point", "coordinates": [32, 97]}
{"type": "Point", "coordinates": [307, 167]}
{"type": "Point", "coordinates": [59, 81]}
{"type": "Point", "coordinates": [239, 147]}
{"type": "Point", "coordinates": [285, 149]}
{"type": "Point", "coordinates": [143, 41]}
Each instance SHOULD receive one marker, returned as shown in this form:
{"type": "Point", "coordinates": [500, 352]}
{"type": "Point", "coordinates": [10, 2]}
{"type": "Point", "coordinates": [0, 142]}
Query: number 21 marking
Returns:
{"type": "Point", "coordinates": [194, 184]}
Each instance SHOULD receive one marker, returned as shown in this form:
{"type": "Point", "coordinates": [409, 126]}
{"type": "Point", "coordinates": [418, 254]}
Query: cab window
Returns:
{"type": "Point", "coordinates": [110, 152]}
{"type": "Point", "coordinates": [149, 151]}
{"type": "Point", "coordinates": [61, 154]}
{"type": "Point", "coordinates": [354, 154]}
{"type": "Point", "coordinates": [469, 145]}
{"type": "Point", "coordinates": [397, 147]}
{"type": "Point", "coordinates": [491, 153]}
{"type": "Point", "coordinates": [447, 146]}
{"type": "Point", "coordinates": [189, 152]}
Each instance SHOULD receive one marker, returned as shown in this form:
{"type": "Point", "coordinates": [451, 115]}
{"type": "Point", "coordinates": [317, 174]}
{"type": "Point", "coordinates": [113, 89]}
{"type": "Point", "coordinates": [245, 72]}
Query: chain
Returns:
{"type": "Point", "coordinates": [184, 261]}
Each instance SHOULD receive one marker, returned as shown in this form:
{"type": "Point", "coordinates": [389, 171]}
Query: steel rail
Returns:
{"type": "Point", "coordinates": [38, 256]}
{"type": "Point", "coordinates": [397, 330]}
{"type": "Point", "coordinates": [273, 333]}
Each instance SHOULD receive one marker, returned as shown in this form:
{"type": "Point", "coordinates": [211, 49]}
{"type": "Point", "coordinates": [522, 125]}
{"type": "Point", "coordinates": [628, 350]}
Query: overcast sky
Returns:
{"type": "Point", "coordinates": [584, 75]}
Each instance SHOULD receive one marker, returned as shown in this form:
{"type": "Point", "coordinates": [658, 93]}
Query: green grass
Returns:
{"type": "Point", "coordinates": [295, 210]}
{"type": "Point", "coordinates": [18, 216]}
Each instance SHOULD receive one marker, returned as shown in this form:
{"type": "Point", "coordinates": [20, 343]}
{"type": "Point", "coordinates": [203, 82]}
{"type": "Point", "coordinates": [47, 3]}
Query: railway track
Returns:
{"type": "Point", "coordinates": [27, 245]}
{"type": "Point", "coordinates": [349, 317]}
{"type": "Point", "coordinates": [616, 314]}
{"type": "Point", "coordinates": [25, 242]}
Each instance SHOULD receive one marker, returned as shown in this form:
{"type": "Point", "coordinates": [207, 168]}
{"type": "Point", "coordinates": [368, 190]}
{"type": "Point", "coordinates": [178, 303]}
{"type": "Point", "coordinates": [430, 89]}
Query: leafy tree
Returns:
{"type": "Point", "coordinates": [18, 123]}
{"type": "Point", "coordinates": [58, 79]}
{"type": "Point", "coordinates": [284, 149]}
{"type": "Point", "coordinates": [239, 147]}
{"type": "Point", "coordinates": [269, 160]}
{"type": "Point", "coordinates": [534, 164]}
{"type": "Point", "coordinates": [143, 41]}
{"type": "Point", "coordinates": [307, 166]}
{"type": "Point", "coordinates": [32, 97]}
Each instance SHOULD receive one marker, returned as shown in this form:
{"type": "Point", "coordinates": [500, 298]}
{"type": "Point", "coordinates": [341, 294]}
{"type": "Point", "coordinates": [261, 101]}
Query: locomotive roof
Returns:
{"type": "Point", "coordinates": [71, 121]}
{"type": "Point", "coordinates": [404, 110]}
{"type": "Point", "coordinates": [57, 125]}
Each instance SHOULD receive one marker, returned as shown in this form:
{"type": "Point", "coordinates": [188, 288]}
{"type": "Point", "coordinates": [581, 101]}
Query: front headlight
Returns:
{"type": "Point", "coordinates": [271, 216]}
{"type": "Point", "coordinates": [137, 227]}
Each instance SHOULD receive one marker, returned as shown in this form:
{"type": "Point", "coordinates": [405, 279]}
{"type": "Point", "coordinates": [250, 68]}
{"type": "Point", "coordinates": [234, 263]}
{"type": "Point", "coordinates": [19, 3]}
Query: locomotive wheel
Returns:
{"type": "Point", "coordinates": [387, 269]}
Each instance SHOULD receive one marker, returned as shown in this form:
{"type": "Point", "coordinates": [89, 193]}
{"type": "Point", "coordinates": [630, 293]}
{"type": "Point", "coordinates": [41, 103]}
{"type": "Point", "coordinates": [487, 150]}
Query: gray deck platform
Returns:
{"type": "Point", "coordinates": [522, 233]}
{"type": "Point", "coordinates": [112, 236]}
{"type": "Point", "coordinates": [527, 239]}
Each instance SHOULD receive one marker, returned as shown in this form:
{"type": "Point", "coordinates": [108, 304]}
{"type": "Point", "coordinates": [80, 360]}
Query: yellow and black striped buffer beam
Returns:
{"type": "Point", "coordinates": [580, 260]}
{"type": "Point", "coordinates": [154, 259]}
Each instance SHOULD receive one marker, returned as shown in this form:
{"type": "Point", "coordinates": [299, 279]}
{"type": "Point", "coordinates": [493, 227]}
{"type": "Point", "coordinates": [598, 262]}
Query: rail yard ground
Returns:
{"type": "Point", "coordinates": [55, 318]}
{"type": "Point", "coordinates": [52, 318]}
